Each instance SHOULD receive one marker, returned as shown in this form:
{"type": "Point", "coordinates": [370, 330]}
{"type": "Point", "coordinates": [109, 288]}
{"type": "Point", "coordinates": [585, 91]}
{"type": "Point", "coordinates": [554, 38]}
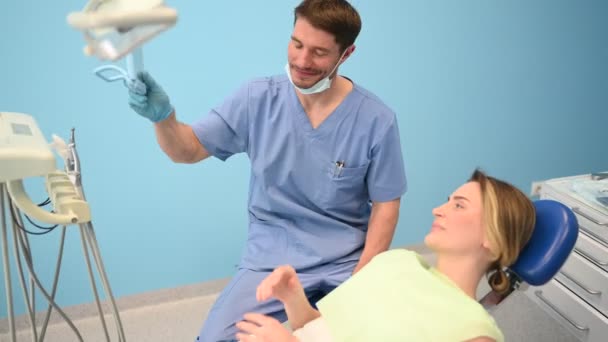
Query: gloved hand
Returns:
{"type": "Point", "coordinates": [152, 104]}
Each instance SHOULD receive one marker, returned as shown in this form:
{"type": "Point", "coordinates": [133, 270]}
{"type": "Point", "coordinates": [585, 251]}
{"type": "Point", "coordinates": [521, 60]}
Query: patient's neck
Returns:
{"type": "Point", "coordinates": [464, 270]}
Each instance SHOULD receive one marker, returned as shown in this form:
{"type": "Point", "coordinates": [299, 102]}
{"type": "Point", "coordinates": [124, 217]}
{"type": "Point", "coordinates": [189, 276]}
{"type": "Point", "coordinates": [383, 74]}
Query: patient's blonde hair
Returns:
{"type": "Point", "coordinates": [509, 217]}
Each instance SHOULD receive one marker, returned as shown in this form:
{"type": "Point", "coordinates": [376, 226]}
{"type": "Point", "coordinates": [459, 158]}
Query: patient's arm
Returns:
{"type": "Point", "coordinates": [284, 285]}
{"type": "Point", "coordinates": [482, 339]}
{"type": "Point", "coordinates": [257, 327]}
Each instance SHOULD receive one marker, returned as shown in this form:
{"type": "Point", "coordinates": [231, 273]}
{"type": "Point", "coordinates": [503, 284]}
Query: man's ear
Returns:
{"type": "Point", "coordinates": [349, 51]}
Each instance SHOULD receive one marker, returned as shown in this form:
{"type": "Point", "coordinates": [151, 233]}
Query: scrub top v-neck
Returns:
{"type": "Point", "coordinates": [310, 189]}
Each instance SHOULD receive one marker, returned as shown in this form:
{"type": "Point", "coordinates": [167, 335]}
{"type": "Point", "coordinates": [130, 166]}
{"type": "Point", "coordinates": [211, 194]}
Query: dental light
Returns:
{"type": "Point", "coordinates": [114, 29]}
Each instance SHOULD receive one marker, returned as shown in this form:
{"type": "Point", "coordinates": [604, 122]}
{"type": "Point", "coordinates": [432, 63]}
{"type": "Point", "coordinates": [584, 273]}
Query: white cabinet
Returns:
{"type": "Point", "coordinates": [581, 319]}
{"type": "Point", "coordinates": [578, 295]}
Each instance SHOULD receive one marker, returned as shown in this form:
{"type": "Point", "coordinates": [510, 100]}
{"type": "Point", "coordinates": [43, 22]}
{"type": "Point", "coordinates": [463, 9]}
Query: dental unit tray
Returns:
{"type": "Point", "coordinates": [114, 28]}
{"type": "Point", "coordinates": [24, 153]}
{"type": "Point", "coordinates": [23, 150]}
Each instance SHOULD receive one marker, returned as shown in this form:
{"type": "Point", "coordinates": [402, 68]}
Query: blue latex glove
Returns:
{"type": "Point", "coordinates": [153, 103]}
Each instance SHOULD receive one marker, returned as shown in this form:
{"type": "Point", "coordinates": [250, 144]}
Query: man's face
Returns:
{"type": "Point", "coordinates": [312, 54]}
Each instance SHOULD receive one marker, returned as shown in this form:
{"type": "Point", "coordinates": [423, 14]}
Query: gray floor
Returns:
{"type": "Point", "coordinates": [520, 319]}
{"type": "Point", "coordinates": [177, 314]}
{"type": "Point", "coordinates": [160, 316]}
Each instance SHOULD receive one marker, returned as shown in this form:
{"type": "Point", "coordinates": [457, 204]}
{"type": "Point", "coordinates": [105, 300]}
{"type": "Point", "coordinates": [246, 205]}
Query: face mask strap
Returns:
{"type": "Point", "coordinates": [339, 61]}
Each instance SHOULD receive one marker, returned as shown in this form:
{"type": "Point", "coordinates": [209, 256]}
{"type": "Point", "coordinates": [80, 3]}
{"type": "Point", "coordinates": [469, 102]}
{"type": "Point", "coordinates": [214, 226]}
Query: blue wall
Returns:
{"type": "Point", "coordinates": [519, 88]}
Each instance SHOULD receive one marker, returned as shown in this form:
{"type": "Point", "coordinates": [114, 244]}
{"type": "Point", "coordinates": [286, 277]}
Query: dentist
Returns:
{"type": "Point", "coordinates": [327, 171]}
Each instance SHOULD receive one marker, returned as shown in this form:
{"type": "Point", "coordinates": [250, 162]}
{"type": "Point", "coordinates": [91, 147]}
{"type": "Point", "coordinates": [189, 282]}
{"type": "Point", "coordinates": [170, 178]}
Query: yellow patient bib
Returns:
{"type": "Point", "coordinates": [398, 297]}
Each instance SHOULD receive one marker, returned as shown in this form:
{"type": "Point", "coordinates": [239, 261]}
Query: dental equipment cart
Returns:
{"type": "Point", "coordinates": [24, 154]}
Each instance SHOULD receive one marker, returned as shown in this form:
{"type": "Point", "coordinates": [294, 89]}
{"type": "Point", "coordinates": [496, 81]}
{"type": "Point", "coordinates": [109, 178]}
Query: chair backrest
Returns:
{"type": "Point", "coordinates": [551, 243]}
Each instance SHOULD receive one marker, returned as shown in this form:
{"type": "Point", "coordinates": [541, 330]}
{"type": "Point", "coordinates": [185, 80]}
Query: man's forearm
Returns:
{"type": "Point", "coordinates": [178, 141]}
{"type": "Point", "coordinates": [380, 231]}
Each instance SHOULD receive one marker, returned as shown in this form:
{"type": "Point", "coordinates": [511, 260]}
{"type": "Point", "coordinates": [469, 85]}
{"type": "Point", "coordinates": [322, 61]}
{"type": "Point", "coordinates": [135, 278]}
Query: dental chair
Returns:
{"type": "Point", "coordinates": [545, 253]}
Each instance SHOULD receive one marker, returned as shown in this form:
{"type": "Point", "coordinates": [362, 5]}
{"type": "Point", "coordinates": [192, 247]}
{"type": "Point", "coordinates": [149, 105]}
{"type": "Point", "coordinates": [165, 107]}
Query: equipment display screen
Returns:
{"type": "Point", "coordinates": [21, 129]}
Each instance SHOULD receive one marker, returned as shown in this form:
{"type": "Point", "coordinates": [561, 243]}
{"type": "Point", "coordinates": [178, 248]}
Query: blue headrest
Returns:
{"type": "Point", "coordinates": [552, 241]}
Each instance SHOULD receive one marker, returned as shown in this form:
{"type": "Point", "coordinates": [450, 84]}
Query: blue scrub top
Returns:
{"type": "Point", "coordinates": [310, 189]}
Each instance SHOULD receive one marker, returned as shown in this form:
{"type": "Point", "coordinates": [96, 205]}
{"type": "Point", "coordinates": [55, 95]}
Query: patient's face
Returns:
{"type": "Point", "coordinates": [458, 226]}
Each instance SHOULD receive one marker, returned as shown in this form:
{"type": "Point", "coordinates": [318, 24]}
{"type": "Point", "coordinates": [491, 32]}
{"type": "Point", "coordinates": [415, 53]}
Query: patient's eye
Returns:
{"type": "Point", "coordinates": [458, 204]}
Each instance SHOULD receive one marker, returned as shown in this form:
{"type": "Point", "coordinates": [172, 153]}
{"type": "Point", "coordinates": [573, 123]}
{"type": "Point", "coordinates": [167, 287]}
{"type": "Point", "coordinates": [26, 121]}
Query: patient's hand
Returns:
{"type": "Point", "coordinates": [260, 328]}
{"type": "Point", "coordinates": [282, 284]}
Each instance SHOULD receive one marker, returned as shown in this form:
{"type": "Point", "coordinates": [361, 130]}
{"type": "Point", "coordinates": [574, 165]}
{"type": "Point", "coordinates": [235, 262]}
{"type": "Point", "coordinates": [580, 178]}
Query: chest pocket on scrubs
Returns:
{"type": "Point", "coordinates": [343, 187]}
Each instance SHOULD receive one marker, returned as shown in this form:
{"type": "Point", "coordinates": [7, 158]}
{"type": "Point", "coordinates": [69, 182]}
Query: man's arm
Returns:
{"type": "Point", "coordinates": [178, 141]}
{"type": "Point", "coordinates": [380, 230]}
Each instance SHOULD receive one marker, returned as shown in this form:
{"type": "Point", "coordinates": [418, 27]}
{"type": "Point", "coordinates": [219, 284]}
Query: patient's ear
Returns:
{"type": "Point", "coordinates": [490, 249]}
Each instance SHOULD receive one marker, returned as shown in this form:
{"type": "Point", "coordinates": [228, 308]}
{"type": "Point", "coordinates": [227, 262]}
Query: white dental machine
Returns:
{"type": "Point", "coordinates": [112, 29]}
{"type": "Point", "coordinates": [24, 154]}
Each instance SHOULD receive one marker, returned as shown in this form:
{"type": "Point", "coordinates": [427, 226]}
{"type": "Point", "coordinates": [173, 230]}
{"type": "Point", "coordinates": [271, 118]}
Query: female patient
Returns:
{"type": "Point", "coordinates": [397, 296]}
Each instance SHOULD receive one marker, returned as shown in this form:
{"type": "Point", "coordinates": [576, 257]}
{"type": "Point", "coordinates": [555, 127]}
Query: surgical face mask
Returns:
{"type": "Point", "coordinates": [322, 85]}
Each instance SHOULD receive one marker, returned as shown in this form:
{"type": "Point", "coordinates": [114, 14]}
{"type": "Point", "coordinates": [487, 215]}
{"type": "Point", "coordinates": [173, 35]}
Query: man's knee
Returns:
{"type": "Point", "coordinates": [237, 298]}
{"type": "Point", "coordinates": [216, 330]}
{"type": "Point", "coordinates": [221, 327]}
